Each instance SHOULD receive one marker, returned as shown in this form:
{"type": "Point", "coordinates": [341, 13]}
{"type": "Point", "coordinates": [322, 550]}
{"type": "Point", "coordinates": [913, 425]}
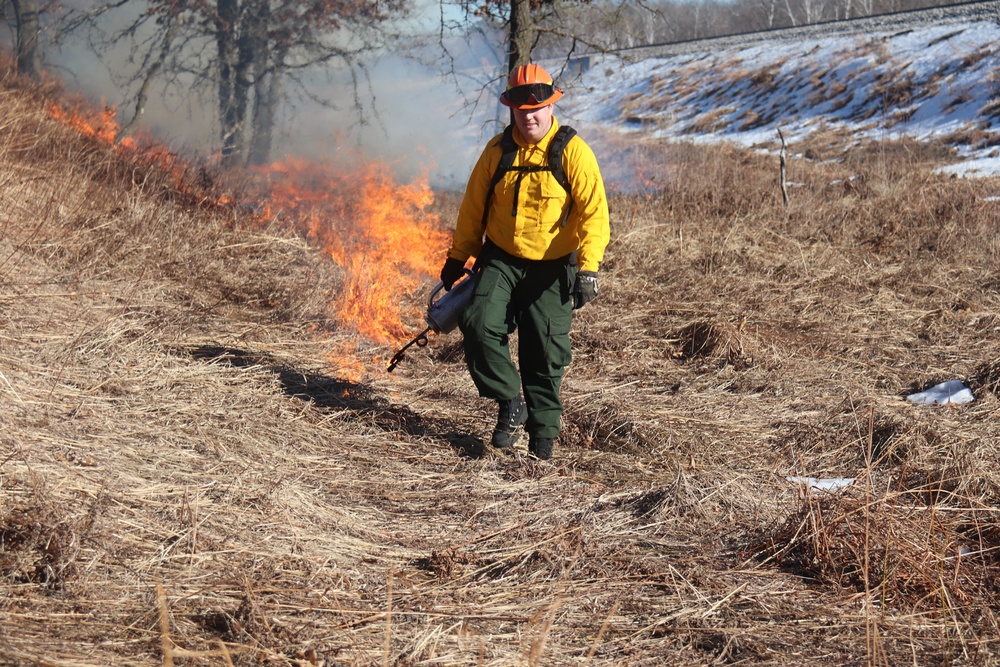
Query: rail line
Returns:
{"type": "Point", "coordinates": [981, 10]}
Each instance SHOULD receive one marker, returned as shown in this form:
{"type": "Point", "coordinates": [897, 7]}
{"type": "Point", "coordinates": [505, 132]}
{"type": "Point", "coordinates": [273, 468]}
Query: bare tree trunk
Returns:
{"type": "Point", "coordinates": [770, 8]}
{"type": "Point", "coordinates": [267, 94]}
{"type": "Point", "coordinates": [225, 42]}
{"type": "Point", "coordinates": [813, 11]}
{"type": "Point", "coordinates": [522, 33]}
{"type": "Point", "coordinates": [251, 62]}
{"type": "Point", "coordinates": [235, 48]}
{"type": "Point", "coordinates": [791, 14]}
{"type": "Point", "coordinates": [29, 60]}
{"type": "Point", "coordinates": [242, 41]}
{"type": "Point", "coordinates": [265, 106]}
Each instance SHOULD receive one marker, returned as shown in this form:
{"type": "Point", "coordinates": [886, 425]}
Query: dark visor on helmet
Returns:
{"type": "Point", "coordinates": [531, 93]}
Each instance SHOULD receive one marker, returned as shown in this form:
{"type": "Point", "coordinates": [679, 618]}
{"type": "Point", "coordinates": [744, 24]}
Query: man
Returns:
{"type": "Point", "coordinates": [538, 243]}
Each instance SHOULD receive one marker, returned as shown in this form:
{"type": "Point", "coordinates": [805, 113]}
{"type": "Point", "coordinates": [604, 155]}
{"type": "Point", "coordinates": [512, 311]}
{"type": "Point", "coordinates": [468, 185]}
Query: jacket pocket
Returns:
{"type": "Point", "coordinates": [546, 207]}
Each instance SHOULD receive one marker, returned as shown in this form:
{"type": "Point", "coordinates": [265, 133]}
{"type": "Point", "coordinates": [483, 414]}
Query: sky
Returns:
{"type": "Point", "coordinates": [930, 82]}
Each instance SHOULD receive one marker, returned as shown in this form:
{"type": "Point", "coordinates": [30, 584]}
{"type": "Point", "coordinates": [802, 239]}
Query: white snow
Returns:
{"type": "Point", "coordinates": [934, 82]}
{"type": "Point", "coordinates": [952, 391]}
{"type": "Point", "coordinates": [823, 483]}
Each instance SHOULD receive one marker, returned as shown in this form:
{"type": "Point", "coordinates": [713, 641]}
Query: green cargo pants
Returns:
{"type": "Point", "coordinates": [534, 298]}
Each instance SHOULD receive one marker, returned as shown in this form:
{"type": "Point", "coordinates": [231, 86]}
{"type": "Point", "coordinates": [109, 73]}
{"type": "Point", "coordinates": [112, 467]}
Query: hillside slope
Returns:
{"type": "Point", "coordinates": [931, 82]}
{"type": "Point", "coordinates": [201, 465]}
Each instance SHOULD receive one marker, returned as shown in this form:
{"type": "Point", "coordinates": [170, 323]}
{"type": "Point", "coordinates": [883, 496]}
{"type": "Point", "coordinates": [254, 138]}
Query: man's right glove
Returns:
{"type": "Point", "coordinates": [451, 271]}
{"type": "Point", "coordinates": [584, 289]}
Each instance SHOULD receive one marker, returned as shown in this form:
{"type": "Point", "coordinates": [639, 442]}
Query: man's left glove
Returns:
{"type": "Point", "coordinates": [584, 289]}
{"type": "Point", "coordinates": [451, 272]}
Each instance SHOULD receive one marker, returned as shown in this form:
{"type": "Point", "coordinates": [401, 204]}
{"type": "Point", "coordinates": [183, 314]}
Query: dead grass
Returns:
{"type": "Point", "coordinates": [199, 467]}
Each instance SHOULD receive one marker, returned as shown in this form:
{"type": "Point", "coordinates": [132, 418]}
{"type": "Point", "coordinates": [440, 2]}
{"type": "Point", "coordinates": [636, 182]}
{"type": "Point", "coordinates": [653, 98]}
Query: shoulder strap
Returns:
{"type": "Point", "coordinates": [556, 146]}
{"type": "Point", "coordinates": [563, 136]}
{"type": "Point", "coordinates": [509, 148]}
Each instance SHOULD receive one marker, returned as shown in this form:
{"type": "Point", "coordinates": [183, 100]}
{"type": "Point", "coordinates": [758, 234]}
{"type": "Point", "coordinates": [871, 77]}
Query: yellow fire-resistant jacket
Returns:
{"type": "Point", "coordinates": [537, 231]}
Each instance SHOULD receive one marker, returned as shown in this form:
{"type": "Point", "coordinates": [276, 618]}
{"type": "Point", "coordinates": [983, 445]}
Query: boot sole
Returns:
{"type": "Point", "coordinates": [503, 440]}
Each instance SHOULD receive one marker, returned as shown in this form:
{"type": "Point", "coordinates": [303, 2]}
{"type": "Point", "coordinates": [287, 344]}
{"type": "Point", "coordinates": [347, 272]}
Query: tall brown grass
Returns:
{"type": "Point", "coordinates": [195, 471]}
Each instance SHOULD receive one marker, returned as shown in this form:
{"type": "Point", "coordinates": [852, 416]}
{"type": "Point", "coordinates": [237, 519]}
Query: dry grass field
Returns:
{"type": "Point", "coordinates": [202, 463]}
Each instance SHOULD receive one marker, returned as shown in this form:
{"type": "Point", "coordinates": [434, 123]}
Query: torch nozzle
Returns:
{"type": "Point", "coordinates": [420, 340]}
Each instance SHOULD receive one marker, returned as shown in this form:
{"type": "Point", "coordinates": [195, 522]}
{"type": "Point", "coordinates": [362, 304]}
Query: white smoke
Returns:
{"type": "Point", "coordinates": [415, 110]}
{"type": "Point", "coordinates": [411, 117]}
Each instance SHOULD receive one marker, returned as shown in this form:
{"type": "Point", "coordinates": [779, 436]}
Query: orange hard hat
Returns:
{"type": "Point", "coordinates": [530, 87]}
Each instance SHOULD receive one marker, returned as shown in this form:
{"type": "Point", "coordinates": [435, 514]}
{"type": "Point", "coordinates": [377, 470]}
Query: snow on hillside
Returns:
{"type": "Point", "coordinates": [932, 82]}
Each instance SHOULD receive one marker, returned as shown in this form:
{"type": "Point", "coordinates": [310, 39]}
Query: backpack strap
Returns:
{"type": "Point", "coordinates": [509, 148]}
{"type": "Point", "coordinates": [555, 157]}
{"type": "Point", "coordinates": [554, 160]}
{"type": "Point", "coordinates": [558, 143]}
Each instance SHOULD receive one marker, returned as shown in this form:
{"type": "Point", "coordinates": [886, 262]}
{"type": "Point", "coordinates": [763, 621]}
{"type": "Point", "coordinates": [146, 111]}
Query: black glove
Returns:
{"type": "Point", "coordinates": [451, 271]}
{"type": "Point", "coordinates": [584, 289]}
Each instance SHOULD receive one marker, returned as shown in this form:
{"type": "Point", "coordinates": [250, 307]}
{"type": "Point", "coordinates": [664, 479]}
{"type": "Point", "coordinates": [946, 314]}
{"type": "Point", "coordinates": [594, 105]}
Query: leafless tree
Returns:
{"type": "Point", "coordinates": [244, 54]}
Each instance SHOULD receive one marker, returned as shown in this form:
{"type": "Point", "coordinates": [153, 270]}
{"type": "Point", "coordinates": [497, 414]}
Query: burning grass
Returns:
{"type": "Point", "coordinates": [199, 466]}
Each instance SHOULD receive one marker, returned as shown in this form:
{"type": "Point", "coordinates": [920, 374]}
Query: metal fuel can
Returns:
{"type": "Point", "coordinates": [443, 313]}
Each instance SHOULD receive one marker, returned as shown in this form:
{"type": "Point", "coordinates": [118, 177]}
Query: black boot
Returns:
{"type": "Point", "coordinates": [540, 448]}
{"type": "Point", "coordinates": [511, 414]}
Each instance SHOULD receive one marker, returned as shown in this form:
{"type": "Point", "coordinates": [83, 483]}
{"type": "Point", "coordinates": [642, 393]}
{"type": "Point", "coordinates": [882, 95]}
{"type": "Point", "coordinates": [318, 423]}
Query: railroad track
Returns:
{"type": "Point", "coordinates": [984, 10]}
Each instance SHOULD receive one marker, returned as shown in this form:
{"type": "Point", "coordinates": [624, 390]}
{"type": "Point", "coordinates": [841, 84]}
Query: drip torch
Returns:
{"type": "Point", "coordinates": [442, 314]}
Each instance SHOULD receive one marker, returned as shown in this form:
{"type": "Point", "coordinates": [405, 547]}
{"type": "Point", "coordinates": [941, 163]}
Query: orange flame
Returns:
{"type": "Point", "coordinates": [100, 125]}
{"type": "Point", "coordinates": [378, 231]}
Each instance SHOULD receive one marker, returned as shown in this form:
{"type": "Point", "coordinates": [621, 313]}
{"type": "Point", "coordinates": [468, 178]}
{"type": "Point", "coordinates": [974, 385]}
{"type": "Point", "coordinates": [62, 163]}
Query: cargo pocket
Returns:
{"type": "Point", "coordinates": [558, 350]}
{"type": "Point", "coordinates": [484, 316]}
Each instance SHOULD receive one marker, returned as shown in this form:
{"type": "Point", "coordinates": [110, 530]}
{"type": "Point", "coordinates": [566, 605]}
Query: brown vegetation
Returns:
{"type": "Point", "coordinates": [199, 468]}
